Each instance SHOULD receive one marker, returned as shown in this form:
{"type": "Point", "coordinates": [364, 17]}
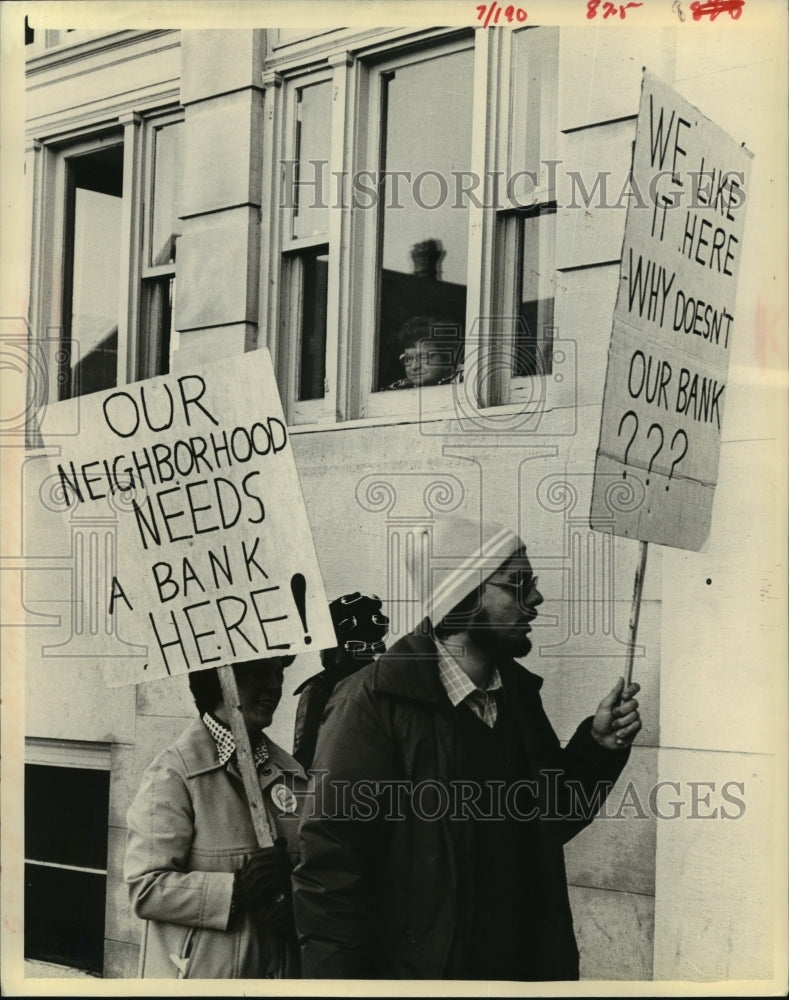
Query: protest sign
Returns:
{"type": "Point", "coordinates": [215, 558]}
{"type": "Point", "coordinates": [673, 325]}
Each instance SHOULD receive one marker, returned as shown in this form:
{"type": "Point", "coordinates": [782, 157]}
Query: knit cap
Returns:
{"type": "Point", "coordinates": [359, 623]}
{"type": "Point", "coordinates": [452, 558]}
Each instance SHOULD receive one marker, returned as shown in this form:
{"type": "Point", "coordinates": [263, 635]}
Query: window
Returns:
{"type": "Point", "coordinates": [534, 295]}
{"type": "Point", "coordinates": [312, 124]}
{"type": "Point", "coordinates": [313, 295]}
{"type": "Point", "coordinates": [413, 240]}
{"type": "Point", "coordinates": [393, 246]}
{"type": "Point", "coordinates": [106, 225]}
{"type": "Point", "coordinates": [425, 110]}
{"type": "Point", "coordinates": [306, 246]}
{"type": "Point", "coordinates": [524, 253]}
{"type": "Point", "coordinates": [160, 235]}
{"type": "Point", "coordinates": [91, 286]}
{"type": "Point", "coordinates": [526, 236]}
{"type": "Point", "coordinates": [66, 823]}
{"type": "Point", "coordinates": [47, 38]}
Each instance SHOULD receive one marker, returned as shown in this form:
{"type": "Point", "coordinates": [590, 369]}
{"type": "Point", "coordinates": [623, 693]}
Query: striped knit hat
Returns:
{"type": "Point", "coordinates": [452, 558]}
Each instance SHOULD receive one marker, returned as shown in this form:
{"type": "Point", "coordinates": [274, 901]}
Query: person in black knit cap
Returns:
{"type": "Point", "coordinates": [360, 627]}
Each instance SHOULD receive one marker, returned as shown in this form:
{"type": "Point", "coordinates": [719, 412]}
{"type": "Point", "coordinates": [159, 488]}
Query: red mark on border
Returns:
{"type": "Point", "coordinates": [487, 12]}
{"type": "Point", "coordinates": [716, 7]}
{"type": "Point", "coordinates": [609, 9]}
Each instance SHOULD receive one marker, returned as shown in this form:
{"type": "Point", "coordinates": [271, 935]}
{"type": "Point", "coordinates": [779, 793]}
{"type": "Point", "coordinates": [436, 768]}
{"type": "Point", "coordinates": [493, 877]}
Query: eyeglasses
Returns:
{"type": "Point", "coordinates": [359, 646]}
{"type": "Point", "coordinates": [425, 358]}
{"type": "Point", "coordinates": [524, 585]}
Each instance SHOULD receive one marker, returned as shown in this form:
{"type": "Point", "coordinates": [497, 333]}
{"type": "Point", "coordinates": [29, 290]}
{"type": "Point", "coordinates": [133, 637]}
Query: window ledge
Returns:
{"type": "Point", "coordinates": [393, 420]}
{"type": "Point", "coordinates": [378, 421]}
{"type": "Point", "coordinates": [68, 753]}
{"type": "Point", "coordinates": [48, 970]}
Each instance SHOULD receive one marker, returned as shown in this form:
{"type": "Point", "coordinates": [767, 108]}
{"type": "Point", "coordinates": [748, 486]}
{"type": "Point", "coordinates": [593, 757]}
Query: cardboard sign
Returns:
{"type": "Point", "coordinates": [665, 391]}
{"type": "Point", "coordinates": [216, 562]}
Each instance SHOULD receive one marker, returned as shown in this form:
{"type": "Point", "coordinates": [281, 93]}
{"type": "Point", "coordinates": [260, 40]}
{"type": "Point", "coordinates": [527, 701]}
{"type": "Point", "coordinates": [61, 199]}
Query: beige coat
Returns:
{"type": "Point", "coordinates": [189, 829]}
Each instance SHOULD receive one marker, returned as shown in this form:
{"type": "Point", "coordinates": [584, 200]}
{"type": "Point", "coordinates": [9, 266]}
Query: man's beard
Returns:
{"type": "Point", "coordinates": [493, 640]}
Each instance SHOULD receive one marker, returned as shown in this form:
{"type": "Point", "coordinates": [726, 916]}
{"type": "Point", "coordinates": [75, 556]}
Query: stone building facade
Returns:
{"type": "Point", "coordinates": [176, 214]}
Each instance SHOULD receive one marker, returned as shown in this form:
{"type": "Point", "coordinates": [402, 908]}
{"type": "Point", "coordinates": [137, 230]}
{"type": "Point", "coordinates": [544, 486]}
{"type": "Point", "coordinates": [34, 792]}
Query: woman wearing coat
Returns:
{"type": "Point", "coordinates": [215, 905]}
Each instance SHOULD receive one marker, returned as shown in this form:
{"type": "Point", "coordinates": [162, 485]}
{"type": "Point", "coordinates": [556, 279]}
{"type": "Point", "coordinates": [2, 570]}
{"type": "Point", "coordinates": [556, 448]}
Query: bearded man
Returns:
{"type": "Point", "coordinates": [432, 846]}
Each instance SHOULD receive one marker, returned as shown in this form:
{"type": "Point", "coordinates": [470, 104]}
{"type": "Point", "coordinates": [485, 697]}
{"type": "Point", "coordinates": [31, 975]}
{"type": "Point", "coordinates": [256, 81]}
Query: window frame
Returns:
{"type": "Point", "coordinates": [403, 402]}
{"type": "Point", "coordinates": [510, 250]}
{"type": "Point", "coordinates": [501, 57]}
{"type": "Point", "coordinates": [49, 250]}
{"type": "Point", "coordinates": [145, 353]}
{"type": "Point", "coordinates": [44, 39]}
{"type": "Point", "coordinates": [290, 261]}
{"type": "Point", "coordinates": [534, 57]}
{"type": "Point", "coordinates": [50, 258]}
{"type": "Point", "coordinates": [66, 361]}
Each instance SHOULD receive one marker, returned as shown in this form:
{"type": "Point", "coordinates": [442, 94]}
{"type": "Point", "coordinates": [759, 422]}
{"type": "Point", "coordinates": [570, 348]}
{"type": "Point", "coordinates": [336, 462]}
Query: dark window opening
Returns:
{"type": "Point", "coordinates": [533, 347]}
{"type": "Point", "coordinates": [312, 360]}
{"type": "Point", "coordinates": [66, 820]}
{"type": "Point", "coordinates": [158, 303]}
{"type": "Point", "coordinates": [91, 287]}
{"type": "Point", "coordinates": [64, 917]}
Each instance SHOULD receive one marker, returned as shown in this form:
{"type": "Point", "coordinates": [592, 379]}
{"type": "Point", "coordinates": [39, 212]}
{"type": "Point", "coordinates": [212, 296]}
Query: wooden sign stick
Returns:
{"type": "Point", "coordinates": [246, 762]}
{"type": "Point", "coordinates": [636, 609]}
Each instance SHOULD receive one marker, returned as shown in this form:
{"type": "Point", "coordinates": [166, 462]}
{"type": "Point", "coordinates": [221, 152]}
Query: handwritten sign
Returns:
{"type": "Point", "coordinates": [674, 321]}
{"type": "Point", "coordinates": [216, 562]}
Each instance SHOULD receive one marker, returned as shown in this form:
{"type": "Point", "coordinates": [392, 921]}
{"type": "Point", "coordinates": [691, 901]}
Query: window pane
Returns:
{"type": "Point", "coordinates": [64, 917]}
{"type": "Point", "coordinates": [424, 239]}
{"type": "Point", "coordinates": [534, 340]}
{"type": "Point", "coordinates": [313, 138]}
{"type": "Point", "coordinates": [154, 355]}
{"type": "Point", "coordinates": [92, 279]}
{"type": "Point", "coordinates": [164, 214]}
{"type": "Point", "coordinates": [312, 363]}
{"type": "Point", "coordinates": [66, 812]}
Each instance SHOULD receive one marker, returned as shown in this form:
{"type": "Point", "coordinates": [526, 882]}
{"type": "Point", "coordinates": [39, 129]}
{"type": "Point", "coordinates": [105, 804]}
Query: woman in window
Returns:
{"type": "Point", "coordinates": [428, 356]}
{"type": "Point", "coordinates": [216, 905]}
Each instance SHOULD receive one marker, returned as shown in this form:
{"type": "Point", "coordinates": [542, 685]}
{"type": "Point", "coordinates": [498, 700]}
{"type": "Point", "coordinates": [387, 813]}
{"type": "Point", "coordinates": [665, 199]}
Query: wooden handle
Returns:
{"type": "Point", "coordinates": [635, 610]}
{"type": "Point", "coordinates": [246, 762]}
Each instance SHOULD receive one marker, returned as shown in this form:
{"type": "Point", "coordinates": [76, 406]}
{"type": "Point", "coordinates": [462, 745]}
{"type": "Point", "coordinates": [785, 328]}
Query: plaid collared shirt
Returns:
{"type": "Point", "coordinates": [226, 744]}
{"type": "Point", "coordinates": [459, 687]}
